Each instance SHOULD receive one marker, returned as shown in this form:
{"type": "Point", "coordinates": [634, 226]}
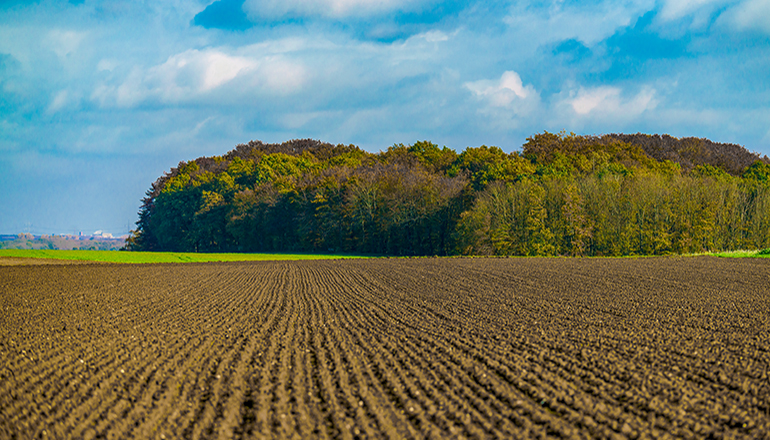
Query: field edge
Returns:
{"type": "Point", "coordinates": [125, 257]}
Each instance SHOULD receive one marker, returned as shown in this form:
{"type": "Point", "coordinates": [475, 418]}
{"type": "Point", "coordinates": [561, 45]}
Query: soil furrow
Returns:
{"type": "Point", "coordinates": [388, 348]}
{"type": "Point", "coordinates": [365, 400]}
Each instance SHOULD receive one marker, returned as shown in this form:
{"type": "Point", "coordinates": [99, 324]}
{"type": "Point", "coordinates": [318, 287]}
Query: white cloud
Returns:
{"type": "Point", "coordinates": [507, 100]}
{"type": "Point", "coordinates": [64, 43]}
{"type": "Point", "coordinates": [106, 65]}
{"type": "Point", "coordinates": [416, 52]}
{"type": "Point", "coordinates": [197, 74]}
{"type": "Point", "coordinates": [58, 102]}
{"type": "Point", "coordinates": [324, 8]}
{"type": "Point", "coordinates": [503, 92]}
{"type": "Point", "coordinates": [738, 14]}
{"type": "Point", "coordinates": [219, 68]}
{"type": "Point", "coordinates": [588, 24]}
{"type": "Point", "coordinates": [608, 103]}
{"type": "Point", "coordinates": [435, 36]}
{"type": "Point", "coordinates": [588, 100]}
{"type": "Point", "coordinates": [282, 75]}
{"type": "Point", "coordinates": [750, 15]}
{"type": "Point", "coordinates": [676, 9]}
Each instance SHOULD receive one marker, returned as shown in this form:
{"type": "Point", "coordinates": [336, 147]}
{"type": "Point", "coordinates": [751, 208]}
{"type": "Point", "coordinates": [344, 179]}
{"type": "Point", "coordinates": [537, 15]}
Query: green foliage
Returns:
{"type": "Point", "coordinates": [710, 171]}
{"type": "Point", "coordinates": [614, 215]}
{"type": "Point", "coordinates": [433, 158]}
{"type": "Point", "coordinates": [758, 172]}
{"type": "Point", "coordinates": [488, 164]}
{"type": "Point", "coordinates": [563, 195]}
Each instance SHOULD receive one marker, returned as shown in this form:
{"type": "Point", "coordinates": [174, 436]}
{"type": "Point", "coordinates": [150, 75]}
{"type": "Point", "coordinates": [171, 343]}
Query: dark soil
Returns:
{"type": "Point", "coordinates": [388, 348]}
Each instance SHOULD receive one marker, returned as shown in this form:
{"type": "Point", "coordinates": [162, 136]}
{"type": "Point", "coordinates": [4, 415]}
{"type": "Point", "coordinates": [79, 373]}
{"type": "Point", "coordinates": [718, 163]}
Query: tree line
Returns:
{"type": "Point", "coordinates": [563, 194]}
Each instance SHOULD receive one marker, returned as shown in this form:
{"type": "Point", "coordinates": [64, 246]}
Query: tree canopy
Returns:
{"type": "Point", "coordinates": [563, 194]}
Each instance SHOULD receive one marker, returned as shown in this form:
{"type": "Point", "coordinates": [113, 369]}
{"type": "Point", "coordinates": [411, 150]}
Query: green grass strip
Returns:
{"type": "Point", "coordinates": [190, 257]}
{"type": "Point", "coordinates": [158, 257]}
{"type": "Point", "coordinates": [744, 254]}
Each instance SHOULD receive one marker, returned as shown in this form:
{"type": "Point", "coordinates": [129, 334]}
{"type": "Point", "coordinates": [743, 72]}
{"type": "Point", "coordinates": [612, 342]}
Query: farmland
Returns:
{"type": "Point", "coordinates": [387, 348]}
{"type": "Point", "coordinates": [37, 256]}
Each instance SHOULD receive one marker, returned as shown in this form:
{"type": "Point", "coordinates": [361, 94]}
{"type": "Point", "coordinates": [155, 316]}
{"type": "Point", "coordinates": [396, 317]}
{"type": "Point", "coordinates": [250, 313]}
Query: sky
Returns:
{"type": "Point", "coordinates": [98, 98]}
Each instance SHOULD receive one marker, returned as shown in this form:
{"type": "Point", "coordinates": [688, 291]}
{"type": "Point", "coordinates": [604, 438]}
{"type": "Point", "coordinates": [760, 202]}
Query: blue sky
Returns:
{"type": "Point", "coordinates": [99, 98]}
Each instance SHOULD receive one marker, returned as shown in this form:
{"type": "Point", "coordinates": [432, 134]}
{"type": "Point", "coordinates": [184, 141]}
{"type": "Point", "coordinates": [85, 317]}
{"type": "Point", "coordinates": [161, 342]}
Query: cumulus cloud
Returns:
{"type": "Point", "coordinates": [219, 68]}
{"type": "Point", "coordinates": [324, 8]}
{"type": "Point", "coordinates": [503, 92]}
{"type": "Point", "coordinates": [506, 101]}
{"type": "Point", "coordinates": [195, 74]}
{"type": "Point", "coordinates": [608, 103]}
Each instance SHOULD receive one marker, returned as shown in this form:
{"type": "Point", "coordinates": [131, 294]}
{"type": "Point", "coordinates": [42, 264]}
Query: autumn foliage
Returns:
{"type": "Point", "coordinates": [563, 194]}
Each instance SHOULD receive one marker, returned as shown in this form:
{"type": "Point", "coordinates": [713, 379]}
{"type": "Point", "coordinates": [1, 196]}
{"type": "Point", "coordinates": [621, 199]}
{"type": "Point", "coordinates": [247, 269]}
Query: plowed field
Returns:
{"type": "Point", "coordinates": [389, 348]}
